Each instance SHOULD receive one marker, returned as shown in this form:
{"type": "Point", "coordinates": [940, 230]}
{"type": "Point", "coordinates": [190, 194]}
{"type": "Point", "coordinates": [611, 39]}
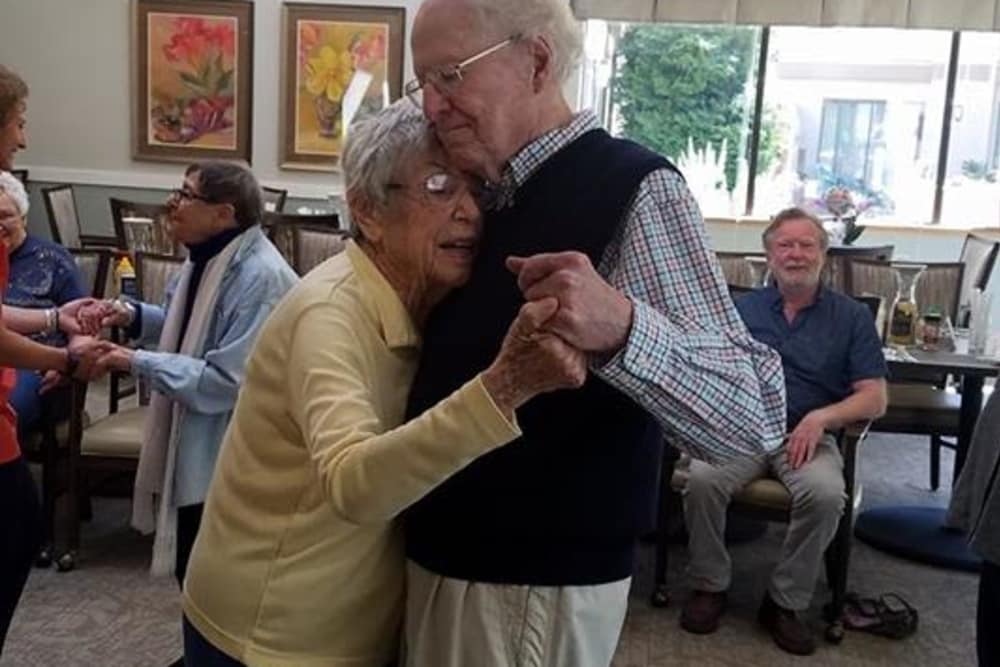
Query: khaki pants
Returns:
{"type": "Point", "coordinates": [817, 490]}
{"type": "Point", "coordinates": [457, 623]}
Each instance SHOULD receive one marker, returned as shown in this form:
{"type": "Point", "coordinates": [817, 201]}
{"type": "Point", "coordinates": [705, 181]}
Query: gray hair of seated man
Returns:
{"type": "Point", "coordinates": [377, 146]}
{"type": "Point", "coordinates": [550, 19]}
{"type": "Point", "coordinates": [11, 186]}
{"type": "Point", "coordinates": [796, 213]}
{"type": "Point", "coordinates": [230, 183]}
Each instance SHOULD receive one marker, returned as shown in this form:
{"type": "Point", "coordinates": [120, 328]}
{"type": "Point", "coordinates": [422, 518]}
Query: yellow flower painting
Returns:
{"type": "Point", "coordinates": [330, 54]}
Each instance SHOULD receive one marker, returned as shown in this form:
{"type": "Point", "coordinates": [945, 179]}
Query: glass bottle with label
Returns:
{"type": "Point", "coordinates": [903, 320]}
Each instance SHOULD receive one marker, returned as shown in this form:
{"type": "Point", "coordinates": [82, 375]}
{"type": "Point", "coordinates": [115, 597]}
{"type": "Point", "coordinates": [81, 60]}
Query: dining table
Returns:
{"type": "Point", "coordinates": [920, 532]}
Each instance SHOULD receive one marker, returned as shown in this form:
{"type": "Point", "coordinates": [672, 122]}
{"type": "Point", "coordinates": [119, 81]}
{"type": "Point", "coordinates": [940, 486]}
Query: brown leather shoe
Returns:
{"type": "Point", "coordinates": [702, 612]}
{"type": "Point", "coordinates": [787, 630]}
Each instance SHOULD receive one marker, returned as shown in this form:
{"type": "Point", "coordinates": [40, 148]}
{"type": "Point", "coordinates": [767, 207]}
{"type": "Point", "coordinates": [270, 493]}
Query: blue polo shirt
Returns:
{"type": "Point", "coordinates": [830, 345]}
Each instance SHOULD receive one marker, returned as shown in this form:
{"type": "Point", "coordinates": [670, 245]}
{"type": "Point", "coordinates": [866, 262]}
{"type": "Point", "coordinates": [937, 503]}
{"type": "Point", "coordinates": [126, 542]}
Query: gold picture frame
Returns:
{"type": "Point", "coordinates": [339, 61]}
{"type": "Point", "coordinates": [193, 79]}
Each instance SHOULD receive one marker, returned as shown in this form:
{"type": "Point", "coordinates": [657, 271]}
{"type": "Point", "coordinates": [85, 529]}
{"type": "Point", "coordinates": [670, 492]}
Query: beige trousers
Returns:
{"type": "Point", "coordinates": [818, 497]}
{"type": "Point", "coordinates": [457, 623]}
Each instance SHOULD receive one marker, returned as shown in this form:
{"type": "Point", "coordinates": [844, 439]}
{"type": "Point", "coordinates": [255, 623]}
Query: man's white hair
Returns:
{"type": "Point", "coordinates": [11, 186]}
{"type": "Point", "coordinates": [551, 19]}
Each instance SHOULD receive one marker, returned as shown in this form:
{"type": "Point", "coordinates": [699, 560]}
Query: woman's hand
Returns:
{"type": "Point", "coordinates": [533, 362]}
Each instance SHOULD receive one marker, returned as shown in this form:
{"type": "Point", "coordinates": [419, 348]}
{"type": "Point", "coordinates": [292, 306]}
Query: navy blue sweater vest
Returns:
{"type": "Point", "coordinates": [562, 505]}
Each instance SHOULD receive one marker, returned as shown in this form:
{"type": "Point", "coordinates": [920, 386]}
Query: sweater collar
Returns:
{"type": "Point", "coordinates": [382, 301]}
{"type": "Point", "coordinates": [201, 253]}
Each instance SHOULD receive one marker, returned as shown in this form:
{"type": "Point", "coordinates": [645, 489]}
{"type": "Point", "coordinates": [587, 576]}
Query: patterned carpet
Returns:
{"type": "Point", "coordinates": [109, 613]}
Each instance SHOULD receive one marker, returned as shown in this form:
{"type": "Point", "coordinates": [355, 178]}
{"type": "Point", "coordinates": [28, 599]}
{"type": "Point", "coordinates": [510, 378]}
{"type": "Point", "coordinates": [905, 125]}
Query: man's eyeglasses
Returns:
{"type": "Point", "coordinates": [184, 195]}
{"type": "Point", "coordinates": [438, 188]}
{"type": "Point", "coordinates": [446, 79]}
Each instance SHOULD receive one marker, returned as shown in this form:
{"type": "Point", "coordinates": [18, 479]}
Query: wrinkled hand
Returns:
{"type": "Point", "coordinates": [593, 316]}
{"type": "Point", "coordinates": [532, 361]}
{"type": "Point", "coordinates": [89, 351]}
{"type": "Point", "coordinates": [802, 442]}
{"type": "Point", "coordinates": [69, 316]}
{"type": "Point", "coordinates": [116, 358]}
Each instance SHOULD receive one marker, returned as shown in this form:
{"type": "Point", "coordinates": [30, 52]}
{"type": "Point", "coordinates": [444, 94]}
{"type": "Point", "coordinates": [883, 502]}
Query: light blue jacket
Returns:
{"type": "Point", "coordinates": [206, 387]}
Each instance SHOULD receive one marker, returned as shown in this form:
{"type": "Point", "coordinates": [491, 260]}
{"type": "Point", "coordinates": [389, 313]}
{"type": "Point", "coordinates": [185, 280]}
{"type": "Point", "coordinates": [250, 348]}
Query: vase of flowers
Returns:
{"type": "Point", "coordinates": [839, 201]}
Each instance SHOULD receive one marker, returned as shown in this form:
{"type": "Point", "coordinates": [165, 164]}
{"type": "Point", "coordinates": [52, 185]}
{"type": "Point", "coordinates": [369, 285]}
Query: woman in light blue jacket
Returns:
{"type": "Point", "coordinates": [203, 334]}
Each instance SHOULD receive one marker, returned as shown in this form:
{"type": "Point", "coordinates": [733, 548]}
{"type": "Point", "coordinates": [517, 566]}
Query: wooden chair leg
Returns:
{"type": "Point", "coordinates": [935, 462]}
{"type": "Point", "coordinates": [661, 595]}
{"type": "Point", "coordinates": [838, 556]}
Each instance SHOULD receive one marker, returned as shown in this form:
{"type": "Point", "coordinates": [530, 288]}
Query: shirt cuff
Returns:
{"type": "Point", "coordinates": [142, 363]}
{"type": "Point", "coordinates": [648, 344]}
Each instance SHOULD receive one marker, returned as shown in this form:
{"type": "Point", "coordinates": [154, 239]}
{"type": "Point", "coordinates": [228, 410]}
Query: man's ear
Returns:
{"type": "Point", "coordinates": [542, 61]}
{"type": "Point", "coordinates": [363, 215]}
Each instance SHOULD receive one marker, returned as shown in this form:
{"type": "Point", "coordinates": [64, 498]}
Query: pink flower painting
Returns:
{"type": "Point", "coordinates": [192, 80]}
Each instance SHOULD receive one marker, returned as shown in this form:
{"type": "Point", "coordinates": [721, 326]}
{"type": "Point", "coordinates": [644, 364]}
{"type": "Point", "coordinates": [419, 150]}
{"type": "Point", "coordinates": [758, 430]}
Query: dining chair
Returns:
{"type": "Point", "coordinates": [279, 226]}
{"type": "Point", "coordinates": [142, 227]}
{"type": "Point", "coordinates": [109, 447]}
{"type": "Point", "coordinates": [767, 499]}
{"type": "Point", "coordinates": [312, 244]}
{"type": "Point", "coordinates": [738, 270]}
{"type": "Point", "coordinates": [49, 443]}
{"type": "Point", "coordinates": [979, 255]}
{"type": "Point", "coordinates": [64, 220]}
{"type": "Point", "coordinates": [836, 270]}
{"type": "Point", "coordinates": [21, 175]}
{"type": "Point", "coordinates": [939, 286]}
{"type": "Point", "coordinates": [274, 199]}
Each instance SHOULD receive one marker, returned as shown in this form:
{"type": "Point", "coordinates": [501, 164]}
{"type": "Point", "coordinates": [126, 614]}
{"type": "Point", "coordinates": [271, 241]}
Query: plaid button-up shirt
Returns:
{"type": "Point", "coordinates": [689, 359]}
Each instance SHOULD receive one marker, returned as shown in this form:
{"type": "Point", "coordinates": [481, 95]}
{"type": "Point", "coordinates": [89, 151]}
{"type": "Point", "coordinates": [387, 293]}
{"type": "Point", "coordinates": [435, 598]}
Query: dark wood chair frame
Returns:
{"type": "Point", "coordinates": [279, 198]}
{"type": "Point", "coordinates": [86, 240]}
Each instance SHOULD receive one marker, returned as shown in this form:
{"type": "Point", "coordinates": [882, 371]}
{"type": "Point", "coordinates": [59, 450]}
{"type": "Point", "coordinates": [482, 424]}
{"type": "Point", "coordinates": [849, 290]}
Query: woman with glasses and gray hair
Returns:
{"type": "Point", "coordinates": [201, 337]}
{"type": "Point", "coordinates": [299, 560]}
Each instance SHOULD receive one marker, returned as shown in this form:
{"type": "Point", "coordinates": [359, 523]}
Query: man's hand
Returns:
{"type": "Point", "coordinates": [802, 442]}
{"type": "Point", "coordinates": [69, 317]}
{"type": "Point", "coordinates": [593, 316]}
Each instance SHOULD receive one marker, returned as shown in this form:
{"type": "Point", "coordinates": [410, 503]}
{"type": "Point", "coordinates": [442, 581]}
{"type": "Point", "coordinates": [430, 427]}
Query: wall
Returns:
{"type": "Point", "coordinates": [76, 58]}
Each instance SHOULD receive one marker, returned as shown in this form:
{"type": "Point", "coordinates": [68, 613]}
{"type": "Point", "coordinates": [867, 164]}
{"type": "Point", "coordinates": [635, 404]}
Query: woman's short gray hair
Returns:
{"type": "Point", "coordinates": [552, 19]}
{"type": "Point", "coordinates": [378, 145]}
{"type": "Point", "coordinates": [11, 186]}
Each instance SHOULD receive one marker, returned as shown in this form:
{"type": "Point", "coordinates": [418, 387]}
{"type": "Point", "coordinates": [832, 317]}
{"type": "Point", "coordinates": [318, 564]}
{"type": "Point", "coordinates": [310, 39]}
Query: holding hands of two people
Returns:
{"type": "Point", "coordinates": [571, 312]}
{"type": "Point", "coordinates": [90, 357]}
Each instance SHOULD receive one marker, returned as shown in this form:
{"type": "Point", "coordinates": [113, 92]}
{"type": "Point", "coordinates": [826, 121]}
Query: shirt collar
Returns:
{"type": "Point", "coordinates": [533, 155]}
{"type": "Point", "coordinates": [382, 301]}
{"type": "Point", "coordinates": [775, 300]}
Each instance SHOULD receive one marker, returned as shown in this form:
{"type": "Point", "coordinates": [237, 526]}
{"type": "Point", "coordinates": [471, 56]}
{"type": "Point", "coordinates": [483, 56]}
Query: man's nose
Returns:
{"type": "Point", "coordinates": [435, 103]}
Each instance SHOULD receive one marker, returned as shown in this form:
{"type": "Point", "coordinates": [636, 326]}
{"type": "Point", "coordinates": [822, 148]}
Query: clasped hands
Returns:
{"type": "Point", "coordinates": [82, 320]}
{"type": "Point", "coordinates": [571, 312]}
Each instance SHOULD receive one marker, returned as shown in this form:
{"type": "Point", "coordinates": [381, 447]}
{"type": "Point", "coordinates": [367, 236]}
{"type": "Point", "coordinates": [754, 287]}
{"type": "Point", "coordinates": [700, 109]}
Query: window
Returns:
{"type": "Point", "coordinates": [856, 109]}
{"type": "Point", "coordinates": [852, 141]}
{"type": "Point", "coordinates": [851, 112]}
{"type": "Point", "coordinates": [971, 191]}
{"type": "Point", "coordinates": [684, 91]}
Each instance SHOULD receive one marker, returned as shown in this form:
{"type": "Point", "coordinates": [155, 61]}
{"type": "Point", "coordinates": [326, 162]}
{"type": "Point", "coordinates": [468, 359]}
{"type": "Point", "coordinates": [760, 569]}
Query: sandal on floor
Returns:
{"type": "Point", "coordinates": [888, 616]}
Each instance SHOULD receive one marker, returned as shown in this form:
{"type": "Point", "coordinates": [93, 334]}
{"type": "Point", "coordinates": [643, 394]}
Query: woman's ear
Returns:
{"type": "Point", "coordinates": [363, 215]}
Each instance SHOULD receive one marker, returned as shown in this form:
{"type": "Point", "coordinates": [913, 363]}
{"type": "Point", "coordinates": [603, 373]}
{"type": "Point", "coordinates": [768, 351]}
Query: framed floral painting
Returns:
{"type": "Point", "coordinates": [340, 61]}
{"type": "Point", "coordinates": [193, 79]}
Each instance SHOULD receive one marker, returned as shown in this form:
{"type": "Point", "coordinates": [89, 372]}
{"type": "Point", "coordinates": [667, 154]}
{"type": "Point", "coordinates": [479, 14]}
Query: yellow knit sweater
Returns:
{"type": "Point", "coordinates": [298, 561]}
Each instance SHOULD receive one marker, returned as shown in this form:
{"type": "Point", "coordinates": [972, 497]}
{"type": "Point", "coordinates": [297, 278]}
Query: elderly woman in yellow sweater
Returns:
{"type": "Point", "coordinates": [298, 561]}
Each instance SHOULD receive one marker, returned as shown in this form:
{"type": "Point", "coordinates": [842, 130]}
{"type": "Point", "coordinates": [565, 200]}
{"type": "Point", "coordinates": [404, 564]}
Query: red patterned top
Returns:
{"type": "Point", "coordinates": [8, 376]}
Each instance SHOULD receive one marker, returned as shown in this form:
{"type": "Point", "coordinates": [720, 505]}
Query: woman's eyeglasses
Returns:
{"type": "Point", "coordinates": [439, 187]}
